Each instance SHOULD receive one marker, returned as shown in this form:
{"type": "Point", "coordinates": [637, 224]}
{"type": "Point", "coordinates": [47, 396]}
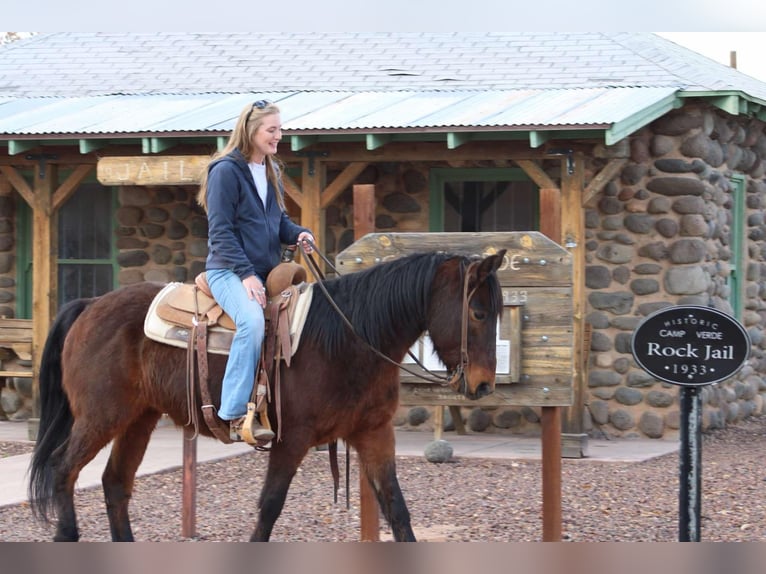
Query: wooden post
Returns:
{"type": "Point", "coordinates": [364, 223]}
{"type": "Point", "coordinates": [312, 214]}
{"type": "Point", "coordinates": [573, 235]}
{"type": "Point", "coordinates": [551, 458]}
{"type": "Point", "coordinates": [189, 485]}
{"type": "Point", "coordinates": [44, 267]}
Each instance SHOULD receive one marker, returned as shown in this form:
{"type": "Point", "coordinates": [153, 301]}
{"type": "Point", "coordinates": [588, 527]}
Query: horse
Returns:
{"type": "Point", "coordinates": [101, 380]}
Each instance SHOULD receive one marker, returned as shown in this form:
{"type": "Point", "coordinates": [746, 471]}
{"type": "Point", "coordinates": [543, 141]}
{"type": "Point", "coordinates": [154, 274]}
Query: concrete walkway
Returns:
{"type": "Point", "coordinates": [166, 449]}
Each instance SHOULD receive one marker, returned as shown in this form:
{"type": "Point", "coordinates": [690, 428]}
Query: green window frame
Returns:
{"type": "Point", "coordinates": [84, 268]}
{"type": "Point", "coordinates": [737, 271]}
{"type": "Point", "coordinates": [439, 177]}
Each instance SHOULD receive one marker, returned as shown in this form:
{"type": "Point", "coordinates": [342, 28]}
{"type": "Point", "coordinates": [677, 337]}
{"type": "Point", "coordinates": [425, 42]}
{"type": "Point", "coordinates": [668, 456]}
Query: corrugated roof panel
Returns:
{"type": "Point", "coordinates": [328, 111]}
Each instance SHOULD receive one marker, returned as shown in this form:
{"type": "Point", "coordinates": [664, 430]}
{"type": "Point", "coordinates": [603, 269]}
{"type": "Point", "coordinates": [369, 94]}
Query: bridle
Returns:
{"type": "Point", "coordinates": [453, 378]}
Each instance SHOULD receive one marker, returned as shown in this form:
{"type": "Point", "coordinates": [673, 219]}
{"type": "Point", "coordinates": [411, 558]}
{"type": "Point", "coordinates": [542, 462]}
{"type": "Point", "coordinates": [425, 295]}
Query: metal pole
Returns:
{"type": "Point", "coordinates": [690, 491]}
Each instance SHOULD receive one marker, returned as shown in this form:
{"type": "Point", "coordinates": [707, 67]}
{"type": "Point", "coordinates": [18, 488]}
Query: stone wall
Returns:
{"type": "Point", "coordinates": [661, 234]}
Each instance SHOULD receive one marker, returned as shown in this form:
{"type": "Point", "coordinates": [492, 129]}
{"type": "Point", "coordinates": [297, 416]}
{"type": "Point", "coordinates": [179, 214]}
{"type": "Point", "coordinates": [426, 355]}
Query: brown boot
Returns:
{"type": "Point", "coordinates": [249, 429]}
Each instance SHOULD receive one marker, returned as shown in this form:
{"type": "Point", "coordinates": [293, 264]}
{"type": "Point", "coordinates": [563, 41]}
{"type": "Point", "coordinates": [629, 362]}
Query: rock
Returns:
{"type": "Point", "coordinates": [651, 424]}
{"type": "Point", "coordinates": [438, 451]}
{"type": "Point", "coordinates": [417, 416]}
{"type": "Point", "coordinates": [674, 186]}
{"type": "Point", "coordinates": [478, 420]}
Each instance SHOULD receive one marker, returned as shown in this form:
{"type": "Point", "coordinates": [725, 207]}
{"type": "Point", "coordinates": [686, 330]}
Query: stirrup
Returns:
{"type": "Point", "coordinates": [251, 431]}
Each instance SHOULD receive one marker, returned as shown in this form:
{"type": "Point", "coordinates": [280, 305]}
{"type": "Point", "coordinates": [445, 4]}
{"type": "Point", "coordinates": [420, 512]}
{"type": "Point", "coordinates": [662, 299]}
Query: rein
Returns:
{"type": "Point", "coordinates": [451, 380]}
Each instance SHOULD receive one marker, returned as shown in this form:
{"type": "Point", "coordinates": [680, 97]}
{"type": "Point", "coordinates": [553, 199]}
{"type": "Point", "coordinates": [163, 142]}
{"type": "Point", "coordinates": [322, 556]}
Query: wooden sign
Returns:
{"type": "Point", "coordinates": [154, 170]}
{"type": "Point", "coordinates": [535, 336]}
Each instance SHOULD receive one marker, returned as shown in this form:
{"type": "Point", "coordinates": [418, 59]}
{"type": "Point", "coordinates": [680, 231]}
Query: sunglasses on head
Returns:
{"type": "Point", "coordinates": [260, 104]}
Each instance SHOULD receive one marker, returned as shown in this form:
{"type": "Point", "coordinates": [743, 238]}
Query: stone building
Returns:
{"type": "Point", "coordinates": [643, 159]}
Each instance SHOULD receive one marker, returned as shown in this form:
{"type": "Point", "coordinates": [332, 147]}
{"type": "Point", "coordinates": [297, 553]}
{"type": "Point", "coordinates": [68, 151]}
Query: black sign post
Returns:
{"type": "Point", "coordinates": [690, 346]}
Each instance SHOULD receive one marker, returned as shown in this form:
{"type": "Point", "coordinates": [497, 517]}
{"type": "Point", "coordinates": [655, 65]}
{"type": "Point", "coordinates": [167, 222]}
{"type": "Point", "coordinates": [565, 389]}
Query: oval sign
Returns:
{"type": "Point", "coordinates": [690, 345]}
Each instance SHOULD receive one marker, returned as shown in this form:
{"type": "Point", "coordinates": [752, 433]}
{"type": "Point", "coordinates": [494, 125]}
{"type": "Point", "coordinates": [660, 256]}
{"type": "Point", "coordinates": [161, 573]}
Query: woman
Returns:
{"type": "Point", "coordinates": [243, 196]}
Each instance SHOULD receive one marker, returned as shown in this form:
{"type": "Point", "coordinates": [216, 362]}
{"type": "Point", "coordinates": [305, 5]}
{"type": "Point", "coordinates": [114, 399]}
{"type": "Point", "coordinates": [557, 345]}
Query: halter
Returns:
{"type": "Point", "coordinates": [453, 379]}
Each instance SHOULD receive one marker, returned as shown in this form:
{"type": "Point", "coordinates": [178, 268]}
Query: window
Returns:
{"type": "Point", "coordinates": [473, 200]}
{"type": "Point", "coordinates": [86, 265]}
{"type": "Point", "coordinates": [85, 244]}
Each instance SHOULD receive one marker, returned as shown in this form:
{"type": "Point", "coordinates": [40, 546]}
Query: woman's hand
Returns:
{"type": "Point", "coordinates": [306, 240]}
{"type": "Point", "coordinates": [255, 289]}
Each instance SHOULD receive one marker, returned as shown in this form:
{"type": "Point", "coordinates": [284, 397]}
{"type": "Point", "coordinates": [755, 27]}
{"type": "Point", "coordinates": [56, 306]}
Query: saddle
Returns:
{"type": "Point", "coordinates": [187, 316]}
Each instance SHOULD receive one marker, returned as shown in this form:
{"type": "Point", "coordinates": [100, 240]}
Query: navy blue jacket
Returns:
{"type": "Point", "coordinates": [243, 234]}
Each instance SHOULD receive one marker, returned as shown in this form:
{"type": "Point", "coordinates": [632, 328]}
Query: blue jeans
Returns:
{"type": "Point", "coordinates": [245, 350]}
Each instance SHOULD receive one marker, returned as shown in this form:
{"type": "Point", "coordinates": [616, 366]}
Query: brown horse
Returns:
{"type": "Point", "coordinates": [102, 380]}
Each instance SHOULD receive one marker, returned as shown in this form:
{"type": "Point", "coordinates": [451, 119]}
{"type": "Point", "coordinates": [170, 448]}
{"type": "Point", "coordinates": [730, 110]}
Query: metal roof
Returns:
{"type": "Point", "coordinates": [76, 64]}
{"type": "Point", "coordinates": [326, 112]}
{"type": "Point", "coordinates": [85, 85]}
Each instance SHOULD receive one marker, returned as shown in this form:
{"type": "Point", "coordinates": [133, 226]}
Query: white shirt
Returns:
{"type": "Point", "coordinates": [259, 176]}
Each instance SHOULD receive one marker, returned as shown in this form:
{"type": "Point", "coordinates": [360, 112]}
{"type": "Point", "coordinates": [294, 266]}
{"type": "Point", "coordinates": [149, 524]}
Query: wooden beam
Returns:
{"type": "Point", "coordinates": [44, 269]}
{"type": "Point", "coordinates": [426, 151]}
{"type": "Point", "coordinates": [457, 139]}
{"type": "Point", "coordinates": [88, 146]}
{"type": "Point", "coordinates": [608, 172]}
{"type": "Point", "coordinates": [158, 145]}
{"type": "Point", "coordinates": [344, 179]}
{"type": "Point", "coordinates": [364, 210]}
{"type": "Point", "coordinates": [550, 213]}
{"type": "Point", "coordinates": [66, 189]}
{"type": "Point", "coordinates": [312, 215]}
{"type": "Point", "coordinates": [20, 146]}
{"type": "Point", "coordinates": [297, 143]}
{"type": "Point", "coordinates": [19, 184]}
{"type": "Point", "coordinates": [573, 226]}
{"type": "Point", "coordinates": [537, 138]}
{"type": "Point", "coordinates": [536, 174]}
{"type": "Point", "coordinates": [374, 141]}
{"type": "Point", "coordinates": [293, 190]}
{"type": "Point", "coordinates": [369, 511]}
{"type": "Point", "coordinates": [551, 461]}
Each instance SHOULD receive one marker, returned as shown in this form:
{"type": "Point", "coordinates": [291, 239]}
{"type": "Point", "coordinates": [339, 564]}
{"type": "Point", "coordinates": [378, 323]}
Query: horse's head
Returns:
{"type": "Point", "coordinates": [466, 302]}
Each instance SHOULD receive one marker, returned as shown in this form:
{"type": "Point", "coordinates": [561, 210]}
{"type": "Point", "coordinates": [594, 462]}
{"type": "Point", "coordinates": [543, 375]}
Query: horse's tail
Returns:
{"type": "Point", "coordinates": [55, 414]}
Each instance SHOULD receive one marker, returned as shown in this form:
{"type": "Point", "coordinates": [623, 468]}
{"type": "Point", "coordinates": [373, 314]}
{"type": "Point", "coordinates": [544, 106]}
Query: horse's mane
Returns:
{"type": "Point", "coordinates": [384, 303]}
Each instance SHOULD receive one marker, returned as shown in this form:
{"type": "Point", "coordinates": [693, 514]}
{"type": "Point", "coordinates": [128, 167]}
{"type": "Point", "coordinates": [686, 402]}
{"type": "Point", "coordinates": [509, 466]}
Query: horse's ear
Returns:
{"type": "Point", "coordinates": [489, 264]}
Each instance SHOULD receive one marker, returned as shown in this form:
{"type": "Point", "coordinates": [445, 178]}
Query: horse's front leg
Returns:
{"type": "Point", "coordinates": [284, 460]}
{"type": "Point", "coordinates": [378, 463]}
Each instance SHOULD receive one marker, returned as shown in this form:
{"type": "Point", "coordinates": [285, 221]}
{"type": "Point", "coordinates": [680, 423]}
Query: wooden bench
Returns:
{"type": "Point", "coordinates": [15, 348]}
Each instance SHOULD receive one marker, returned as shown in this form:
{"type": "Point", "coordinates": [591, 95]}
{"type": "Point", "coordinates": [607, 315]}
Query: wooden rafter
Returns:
{"type": "Point", "coordinates": [19, 183]}
{"type": "Point", "coordinates": [66, 189]}
{"type": "Point", "coordinates": [292, 189]}
{"type": "Point", "coordinates": [536, 174]}
{"type": "Point", "coordinates": [603, 177]}
{"type": "Point", "coordinates": [344, 179]}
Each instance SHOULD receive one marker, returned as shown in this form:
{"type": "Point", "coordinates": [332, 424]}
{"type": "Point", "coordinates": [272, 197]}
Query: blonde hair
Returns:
{"type": "Point", "coordinates": [250, 119]}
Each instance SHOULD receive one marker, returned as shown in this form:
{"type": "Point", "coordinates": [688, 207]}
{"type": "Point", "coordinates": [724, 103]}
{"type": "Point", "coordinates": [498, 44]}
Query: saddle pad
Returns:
{"type": "Point", "coordinates": [219, 338]}
{"type": "Point", "coordinates": [298, 318]}
{"type": "Point", "coordinates": [157, 329]}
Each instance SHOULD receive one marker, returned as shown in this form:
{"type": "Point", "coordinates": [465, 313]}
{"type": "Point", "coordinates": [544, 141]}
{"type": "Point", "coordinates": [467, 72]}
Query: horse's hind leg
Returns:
{"type": "Point", "coordinates": [68, 460]}
{"type": "Point", "coordinates": [119, 475]}
{"type": "Point", "coordinates": [378, 463]}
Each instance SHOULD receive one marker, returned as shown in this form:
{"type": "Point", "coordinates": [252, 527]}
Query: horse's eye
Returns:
{"type": "Point", "coordinates": [478, 315]}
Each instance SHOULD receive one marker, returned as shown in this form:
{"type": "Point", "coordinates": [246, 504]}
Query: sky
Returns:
{"type": "Point", "coordinates": [750, 48]}
{"type": "Point", "coordinates": [391, 15]}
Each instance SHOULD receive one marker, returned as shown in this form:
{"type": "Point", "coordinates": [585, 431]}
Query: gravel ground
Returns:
{"type": "Point", "coordinates": [464, 500]}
